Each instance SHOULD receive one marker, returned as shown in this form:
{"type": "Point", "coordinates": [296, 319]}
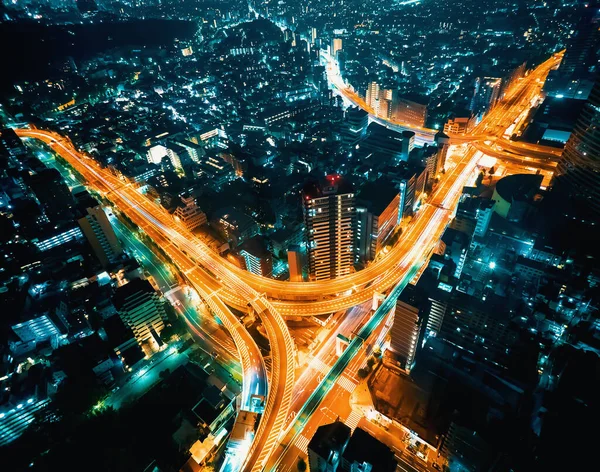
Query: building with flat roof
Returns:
{"type": "Point", "coordinates": [378, 215]}
{"type": "Point", "coordinates": [330, 219]}
{"type": "Point", "coordinates": [355, 126]}
{"type": "Point", "coordinates": [234, 225]}
{"type": "Point", "coordinates": [141, 308]}
{"type": "Point", "coordinates": [411, 109]}
{"type": "Point", "coordinates": [364, 453]}
{"type": "Point", "coordinates": [257, 257]}
{"type": "Point", "coordinates": [578, 172]}
{"type": "Point", "coordinates": [100, 234]}
{"type": "Point", "coordinates": [189, 214]}
{"type": "Point", "coordinates": [407, 329]}
{"type": "Point", "coordinates": [516, 194]}
{"type": "Point", "coordinates": [326, 447]}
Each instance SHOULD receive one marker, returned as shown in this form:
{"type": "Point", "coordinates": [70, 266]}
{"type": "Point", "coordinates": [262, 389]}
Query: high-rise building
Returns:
{"type": "Point", "coordinates": [313, 35]}
{"type": "Point", "coordinates": [578, 172]}
{"type": "Point", "coordinates": [326, 447]}
{"type": "Point", "coordinates": [387, 144]}
{"type": "Point", "coordinates": [455, 246]}
{"type": "Point", "coordinates": [294, 256]}
{"type": "Point", "coordinates": [575, 76]}
{"type": "Point", "coordinates": [235, 226]}
{"type": "Point", "coordinates": [141, 308]}
{"type": "Point", "coordinates": [336, 45]}
{"type": "Point", "coordinates": [459, 123]}
{"type": "Point", "coordinates": [408, 144]}
{"type": "Point", "coordinates": [582, 49]}
{"type": "Point", "coordinates": [473, 215]}
{"type": "Point", "coordinates": [411, 183]}
{"type": "Point", "coordinates": [372, 95]}
{"type": "Point", "coordinates": [485, 95]}
{"type": "Point", "coordinates": [330, 220]}
{"type": "Point", "coordinates": [377, 216]}
{"type": "Point", "coordinates": [443, 142]}
{"type": "Point", "coordinates": [407, 329]}
{"type": "Point", "coordinates": [189, 214]}
{"type": "Point", "coordinates": [355, 130]}
{"type": "Point", "coordinates": [257, 257]}
{"type": "Point", "coordinates": [365, 453]}
{"type": "Point", "coordinates": [411, 109]}
{"type": "Point", "coordinates": [100, 234]}
{"type": "Point", "coordinates": [480, 326]}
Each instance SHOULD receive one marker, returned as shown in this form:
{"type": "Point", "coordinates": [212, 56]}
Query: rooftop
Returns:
{"type": "Point", "coordinates": [330, 438]}
{"type": "Point", "coordinates": [363, 447]}
{"type": "Point", "coordinates": [519, 186]}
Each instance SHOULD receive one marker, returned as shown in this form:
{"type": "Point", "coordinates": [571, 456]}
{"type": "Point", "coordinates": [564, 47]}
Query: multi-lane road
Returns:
{"type": "Point", "coordinates": [220, 283]}
{"type": "Point", "coordinates": [491, 131]}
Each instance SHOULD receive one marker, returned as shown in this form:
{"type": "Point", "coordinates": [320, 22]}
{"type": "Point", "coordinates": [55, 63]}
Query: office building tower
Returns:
{"type": "Point", "coordinates": [459, 123]}
{"type": "Point", "coordinates": [326, 447]}
{"type": "Point", "coordinates": [443, 143]}
{"type": "Point", "coordinates": [336, 45]}
{"type": "Point", "coordinates": [372, 95]}
{"type": "Point", "coordinates": [476, 325]}
{"type": "Point", "coordinates": [462, 445]}
{"type": "Point", "coordinates": [485, 95]}
{"type": "Point", "coordinates": [355, 127]}
{"type": "Point", "coordinates": [141, 308]}
{"type": "Point", "coordinates": [455, 245]}
{"type": "Point", "coordinates": [294, 256]}
{"type": "Point", "coordinates": [189, 214]}
{"type": "Point", "coordinates": [408, 144]}
{"type": "Point", "coordinates": [100, 234]}
{"type": "Point", "coordinates": [313, 35]}
{"type": "Point", "coordinates": [581, 55]}
{"type": "Point", "coordinates": [576, 75]}
{"type": "Point", "coordinates": [411, 184]}
{"type": "Point", "coordinates": [257, 257]}
{"type": "Point", "coordinates": [234, 225]}
{"type": "Point", "coordinates": [386, 144]}
{"type": "Point", "coordinates": [406, 334]}
{"type": "Point", "coordinates": [578, 172]}
{"type": "Point", "coordinates": [411, 109]}
{"type": "Point", "coordinates": [330, 219]}
{"type": "Point", "coordinates": [377, 216]}
{"type": "Point", "coordinates": [473, 215]}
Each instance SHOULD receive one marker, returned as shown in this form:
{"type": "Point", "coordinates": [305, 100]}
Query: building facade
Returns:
{"type": "Point", "coordinates": [578, 172]}
{"type": "Point", "coordinates": [100, 234]}
{"type": "Point", "coordinates": [330, 220]}
{"type": "Point", "coordinates": [141, 308]}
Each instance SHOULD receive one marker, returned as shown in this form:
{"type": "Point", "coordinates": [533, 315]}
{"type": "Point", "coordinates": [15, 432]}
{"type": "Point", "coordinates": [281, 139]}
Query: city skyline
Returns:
{"type": "Point", "coordinates": [278, 237]}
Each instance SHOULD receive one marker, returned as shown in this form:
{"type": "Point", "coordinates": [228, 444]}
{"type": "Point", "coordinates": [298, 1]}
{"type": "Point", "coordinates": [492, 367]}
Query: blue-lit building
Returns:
{"type": "Point", "coordinates": [54, 238]}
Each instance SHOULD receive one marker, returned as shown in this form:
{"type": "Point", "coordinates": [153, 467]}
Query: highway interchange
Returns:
{"type": "Point", "coordinates": [222, 285]}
